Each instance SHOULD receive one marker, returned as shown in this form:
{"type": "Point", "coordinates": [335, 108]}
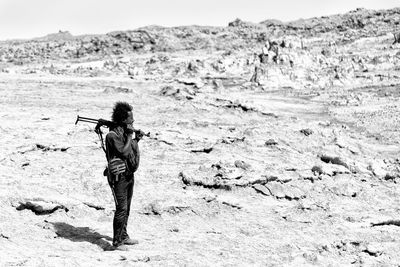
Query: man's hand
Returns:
{"type": "Point", "coordinates": [129, 129]}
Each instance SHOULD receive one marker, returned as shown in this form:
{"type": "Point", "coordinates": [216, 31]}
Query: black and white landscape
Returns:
{"type": "Point", "coordinates": [292, 161]}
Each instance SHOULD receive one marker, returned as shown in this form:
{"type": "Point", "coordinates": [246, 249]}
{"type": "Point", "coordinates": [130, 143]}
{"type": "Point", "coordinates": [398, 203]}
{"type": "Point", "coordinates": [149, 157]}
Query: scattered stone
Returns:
{"type": "Point", "coordinates": [3, 236]}
{"type": "Point", "coordinates": [294, 193]}
{"type": "Point", "coordinates": [236, 206]}
{"type": "Point", "coordinates": [317, 170]}
{"type": "Point", "coordinates": [217, 166]}
{"type": "Point", "coordinates": [269, 114]}
{"type": "Point", "coordinates": [214, 232]}
{"type": "Point", "coordinates": [333, 160]}
{"type": "Point", "coordinates": [235, 105]}
{"type": "Point", "coordinates": [243, 165]}
{"type": "Point", "coordinates": [262, 189]}
{"type": "Point", "coordinates": [152, 208]}
{"type": "Point", "coordinates": [231, 140]}
{"type": "Point", "coordinates": [289, 192]}
{"type": "Point", "coordinates": [178, 93]}
{"type": "Point", "coordinates": [396, 36]}
{"type": "Point", "coordinates": [332, 170]}
{"type": "Point", "coordinates": [277, 189]}
{"type": "Point", "coordinates": [373, 249]}
{"type": "Point", "coordinates": [343, 188]}
{"type": "Point", "coordinates": [96, 207]}
{"type": "Point", "coordinates": [310, 175]}
{"type": "Point", "coordinates": [213, 183]}
{"type": "Point", "coordinates": [287, 176]}
{"type": "Point", "coordinates": [176, 209]}
{"type": "Point", "coordinates": [196, 83]}
{"type": "Point", "coordinates": [209, 198]}
{"type": "Point", "coordinates": [48, 148]}
{"type": "Point", "coordinates": [116, 90]}
{"type": "Point", "coordinates": [391, 177]}
{"type": "Point", "coordinates": [352, 148]}
{"type": "Point", "coordinates": [325, 123]}
{"type": "Point", "coordinates": [267, 178]}
{"type": "Point", "coordinates": [162, 141]}
{"type": "Point", "coordinates": [306, 132]}
{"type": "Point", "coordinates": [41, 207]}
{"type": "Point", "coordinates": [229, 174]}
{"type": "Point", "coordinates": [271, 142]}
{"type": "Point", "coordinates": [377, 167]}
{"type": "Point", "coordinates": [217, 84]}
{"type": "Point", "coordinates": [202, 150]}
{"type": "Point", "coordinates": [389, 222]}
{"type": "Point", "coordinates": [142, 259]}
{"type": "Point", "coordinates": [230, 201]}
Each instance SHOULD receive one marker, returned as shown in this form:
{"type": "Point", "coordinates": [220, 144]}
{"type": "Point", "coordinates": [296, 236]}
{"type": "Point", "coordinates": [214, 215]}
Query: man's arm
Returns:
{"type": "Point", "coordinates": [127, 146]}
{"type": "Point", "coordinates": [123, 148]}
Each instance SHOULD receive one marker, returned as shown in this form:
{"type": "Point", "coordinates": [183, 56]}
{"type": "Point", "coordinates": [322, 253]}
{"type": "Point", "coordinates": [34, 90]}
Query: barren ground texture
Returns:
{"type": "Point", "coordinates": [287, 163]}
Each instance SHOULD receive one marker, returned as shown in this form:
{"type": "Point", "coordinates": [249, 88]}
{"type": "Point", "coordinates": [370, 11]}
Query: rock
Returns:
{"type": "Point", "coordinates": [152, 208]}
{"type": "Point", "coordinates": [262, 189]}
{"type": "Point", "coordinates": [175, 209]}
{"type": "Point", "coordinates": [345, 187]}
{"type": "Point", "coordinates": [231, 140]}
{"type": "Point", "coordinates": [294, 193]}
{"type": "Point", "coordinates": [119, 89]}
{"type": "Point", "coordinates": [333, 160]}
{"type": "Point", "coordinates": [204, 179]}
{"type": "Point", "coordinates": [196, 83]}
{"type": "Point", "coordinates": [308, 174]}
{"type": "Point", "coordinates": [391, 177]}
{"type": "Point", "coordinates": [373, 249]}
{"type": "Point", "coordinates": [41, 207]}
{"type": "Point", "coordinates": [229, 174]}
{"type": "Point", "coordinates": [210, 198]}
{"type": "Point", "coordinates": [277, 189]}
{"type": "Point", "coordinates": [342, 143]}
{"type": "Point", "coordinates": [178, 93]}
{"type": "Point", "coordinates": [270, 142]}
{"type": "Point", "coordinates": [306, 132]}
{"type": "Point", "coordinates": [217, 84]}
{"type": "Point", "coordinates": [317, 170]}
{"type": "Point", "coordinates": [378, 168]}
{"type": "Point", "coordinates": [202, 150]}
{"type": "Point", "coordinates": [243, 165]}
{"type": "Point", "coordinates": [389, 222]}
{"type": "Point", "coordinates": [329, 169]}
{"type": "Point", "coordinates": [288, 176]}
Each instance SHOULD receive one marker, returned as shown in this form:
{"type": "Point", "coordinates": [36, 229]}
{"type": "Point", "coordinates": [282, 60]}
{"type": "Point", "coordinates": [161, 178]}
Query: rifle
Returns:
{"type": "Point", "coordinates": [99, 123]}
{"type": "Point", "coordinates": [108, 124]}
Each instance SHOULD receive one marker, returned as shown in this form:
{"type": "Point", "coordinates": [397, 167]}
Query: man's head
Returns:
{"type": "Point", "coordinates": [122, 114]}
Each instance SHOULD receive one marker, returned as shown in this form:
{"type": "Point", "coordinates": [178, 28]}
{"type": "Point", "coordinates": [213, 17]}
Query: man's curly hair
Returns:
{"type": "Point", "coordinates": [120, 112]}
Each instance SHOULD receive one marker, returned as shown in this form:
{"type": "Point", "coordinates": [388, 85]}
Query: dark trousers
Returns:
{"type": "Point", "coordinates": [122, 192]}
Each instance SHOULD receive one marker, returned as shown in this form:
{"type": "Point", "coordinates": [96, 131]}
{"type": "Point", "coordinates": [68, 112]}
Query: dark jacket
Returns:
{"type": "Point", "coordinates": [115, 142]}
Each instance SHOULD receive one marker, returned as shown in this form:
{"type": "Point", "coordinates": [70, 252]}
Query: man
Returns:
{"type": "Point", "coordinates": [120, 145]}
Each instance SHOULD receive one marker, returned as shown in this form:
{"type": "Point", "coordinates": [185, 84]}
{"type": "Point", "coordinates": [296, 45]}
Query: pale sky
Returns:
{"type": "Point", "coordinates": [35, 18]}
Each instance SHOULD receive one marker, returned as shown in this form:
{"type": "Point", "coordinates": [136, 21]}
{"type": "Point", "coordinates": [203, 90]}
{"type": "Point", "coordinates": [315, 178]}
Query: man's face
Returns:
{"type": "Point", "coordinates": [129, 120]}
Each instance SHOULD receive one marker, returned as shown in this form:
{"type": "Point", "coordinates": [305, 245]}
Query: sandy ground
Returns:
{"type": "Point", "coordinates": [326, 220]}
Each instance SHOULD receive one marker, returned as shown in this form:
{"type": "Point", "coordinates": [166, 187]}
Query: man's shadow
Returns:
{"type": "Point", "coordinates": [82, 234]}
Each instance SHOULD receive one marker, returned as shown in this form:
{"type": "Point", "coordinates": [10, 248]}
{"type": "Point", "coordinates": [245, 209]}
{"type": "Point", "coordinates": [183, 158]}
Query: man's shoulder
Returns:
{"type": "Point", "coordinates": [113, 135]}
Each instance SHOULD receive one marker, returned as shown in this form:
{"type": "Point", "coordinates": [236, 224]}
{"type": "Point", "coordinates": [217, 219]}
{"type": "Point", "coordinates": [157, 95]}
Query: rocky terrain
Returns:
{"type": "Point", "coordinates": [290, 159]}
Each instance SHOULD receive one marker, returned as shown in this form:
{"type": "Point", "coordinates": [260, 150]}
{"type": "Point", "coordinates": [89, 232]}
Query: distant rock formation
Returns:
{"type": "Point", "coordinates": [60, 35]}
